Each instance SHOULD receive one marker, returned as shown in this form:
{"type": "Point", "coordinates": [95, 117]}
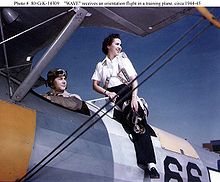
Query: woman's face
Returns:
{"type": "Point", "coordinates": [115, 48]}
{"type": "Point", "coordinates": [60, 84]}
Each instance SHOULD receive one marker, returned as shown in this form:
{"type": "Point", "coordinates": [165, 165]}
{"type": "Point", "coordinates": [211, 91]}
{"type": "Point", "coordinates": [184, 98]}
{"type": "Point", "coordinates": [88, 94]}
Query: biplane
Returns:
{"type": "Point", "coordinates": [41, 141]}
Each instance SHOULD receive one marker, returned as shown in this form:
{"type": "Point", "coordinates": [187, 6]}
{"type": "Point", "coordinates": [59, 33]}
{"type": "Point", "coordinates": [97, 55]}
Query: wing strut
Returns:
{"type": "Point", "coordinates": [27, 84]}
{"type": "Point", "coordinates": [209, 16]}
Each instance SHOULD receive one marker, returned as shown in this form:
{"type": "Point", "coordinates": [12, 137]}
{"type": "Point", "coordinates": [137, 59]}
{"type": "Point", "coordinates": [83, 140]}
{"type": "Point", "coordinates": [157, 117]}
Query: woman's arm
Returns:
{"type": "Point", "coordinates": [101, 90]}
{"type": "Point", "coordinates": [134, 103]}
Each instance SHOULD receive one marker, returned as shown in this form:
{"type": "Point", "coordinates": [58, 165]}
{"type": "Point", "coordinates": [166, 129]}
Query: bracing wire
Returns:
{"type": "Point", "coordinates": [28, 175]}
{"type": "Point", "coordinates": [38, 25]}
{"type": "Point", "coordinates": [6, 59]}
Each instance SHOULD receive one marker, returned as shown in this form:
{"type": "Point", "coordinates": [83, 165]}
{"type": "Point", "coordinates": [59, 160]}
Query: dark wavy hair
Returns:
{"type": "Point", "coordinates": [108, 41]}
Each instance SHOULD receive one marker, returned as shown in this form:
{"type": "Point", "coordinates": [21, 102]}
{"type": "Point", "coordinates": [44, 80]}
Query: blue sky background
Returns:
{"type": "Point", "coordinates": [183, 97]}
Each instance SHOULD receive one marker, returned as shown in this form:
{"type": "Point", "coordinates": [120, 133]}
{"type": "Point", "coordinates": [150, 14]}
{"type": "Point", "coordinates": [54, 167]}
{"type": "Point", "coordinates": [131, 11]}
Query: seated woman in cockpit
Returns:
{"type": "Point", "coordinates": [57, 81]}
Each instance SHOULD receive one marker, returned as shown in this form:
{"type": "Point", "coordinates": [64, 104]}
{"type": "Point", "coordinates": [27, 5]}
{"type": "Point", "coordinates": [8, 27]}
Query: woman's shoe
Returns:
{"type": "Point", "coordinates": [153, 173]}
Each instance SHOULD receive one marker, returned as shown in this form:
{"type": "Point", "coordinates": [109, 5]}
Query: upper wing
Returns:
{"type": "Point", "coordinates": [139, 21]}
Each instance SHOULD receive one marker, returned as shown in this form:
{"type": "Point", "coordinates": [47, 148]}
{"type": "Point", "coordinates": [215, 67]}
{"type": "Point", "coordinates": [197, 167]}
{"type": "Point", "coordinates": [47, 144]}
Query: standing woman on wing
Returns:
{"type": "Point", "coordinates": [111, 76]}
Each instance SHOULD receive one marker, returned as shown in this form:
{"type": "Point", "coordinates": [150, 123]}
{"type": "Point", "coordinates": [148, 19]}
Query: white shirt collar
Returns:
{"type": "Point", "coordinates": [107, 61]}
